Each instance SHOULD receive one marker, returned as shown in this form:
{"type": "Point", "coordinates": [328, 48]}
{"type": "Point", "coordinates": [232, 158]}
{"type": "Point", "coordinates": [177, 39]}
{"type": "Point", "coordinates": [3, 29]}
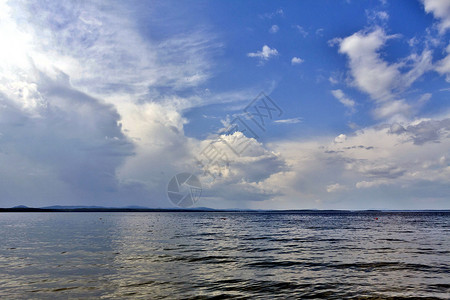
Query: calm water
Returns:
{"type": "Point", "coordinates": [207, 255]}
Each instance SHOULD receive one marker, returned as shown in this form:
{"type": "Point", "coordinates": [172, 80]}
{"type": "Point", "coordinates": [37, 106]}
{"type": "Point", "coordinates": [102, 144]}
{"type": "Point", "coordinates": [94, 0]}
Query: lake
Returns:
{"type": "Point", "coordinates": [208, 255]}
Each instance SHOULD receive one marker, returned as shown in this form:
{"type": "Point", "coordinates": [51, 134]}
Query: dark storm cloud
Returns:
{"type": "Point", "coordinates": [77, 136]}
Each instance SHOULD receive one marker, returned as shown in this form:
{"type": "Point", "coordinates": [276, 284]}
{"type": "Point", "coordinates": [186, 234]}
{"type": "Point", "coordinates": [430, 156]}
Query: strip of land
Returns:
{"type": "Point", "coordinates": [201, 209]}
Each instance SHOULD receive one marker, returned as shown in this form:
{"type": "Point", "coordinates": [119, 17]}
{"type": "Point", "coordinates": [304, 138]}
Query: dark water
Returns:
{"type": "Point", "coordinates": [236, 255]}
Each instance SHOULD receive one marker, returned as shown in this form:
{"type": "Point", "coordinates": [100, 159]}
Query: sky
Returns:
{"type": "Point", "coordinates": [271, 104]}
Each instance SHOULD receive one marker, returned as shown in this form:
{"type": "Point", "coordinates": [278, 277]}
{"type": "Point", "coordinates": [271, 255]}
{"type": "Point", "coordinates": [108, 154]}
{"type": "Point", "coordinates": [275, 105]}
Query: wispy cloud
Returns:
{"type": "Point", "coordinates": [443, 66]}
{"type": "Point", "coordinates": [289, 121]}
{"type": "Point", "coordinates": [274, 29]}
{"type": "Point", "coordinates": [319, 32]}
{"type": "Point", "coordinates": [375, 16]}
{"type": "Point", "coordinates": [278, 13]}
{"type": "Point", "coordinates": [301, 30]}
{"type": "Point", "coordinates": [332, 188]}
{"type": "Point", "coordinates": [347, 102]}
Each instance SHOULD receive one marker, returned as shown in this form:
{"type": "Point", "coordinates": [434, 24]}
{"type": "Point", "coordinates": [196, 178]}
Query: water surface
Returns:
{"type": "Point", "coordinates": [232, 255]}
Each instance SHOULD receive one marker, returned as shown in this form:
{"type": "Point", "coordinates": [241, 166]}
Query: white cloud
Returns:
{"type": "Point", "coordinates": [371, 158]}
{"type": "Point", "coordinates": [374, 15]}
{"type": "Point", "coordinates": [78, 85]}
{"type": "Point", "coordinates": [441, 10]}
{"type": "Point", "coordinates": [274, 29]}
{"type": "Point", "coordinates": [332, 188]}
{"type": "Point", "coordinates": [301, 30]}
{"type": "Point", "coordinates": [443, 66]}
{"type": "Point", "coordinates": [79, 124]}
{"type": "Point", "coordinates": [296, 60]}
{"type": "Point", "coordinates": [118, 146]}
{"type": "Point", "coordinates": [289, 121]}
{"type": "Point", "coordinates": [333, 80]}
{"type": "Point", "coordinates": [412, 163]}
{"type": "Point", "coordinates": [73, 143]}
{"type": "Point", "coordinates": [392, 108]}
{"type": "Point", "coordinates": [347, 102]}
{"type": "Point", "coordinates": [369, 184]}
{"type": "Point", "coordinates": [278, 13]}
{"type": "Point", "coordinates": [340, 138]}
{"type": "Point", "coordinates": [265, 54]}
{"type": "Point", "coordinates": [319, 32]}
{"type": "Point", "coordinates": [383, 15]}
{"type": "Point", "coordinates": [371, 74]}
{"type": "Point", "coordinates": [413, 41]}
{"type": "Point", "coordinates": [424, 98]}
{"type": "Point", "coordinates": [383, 81]}
{"type": "Point", "coordinates": [243, 176]}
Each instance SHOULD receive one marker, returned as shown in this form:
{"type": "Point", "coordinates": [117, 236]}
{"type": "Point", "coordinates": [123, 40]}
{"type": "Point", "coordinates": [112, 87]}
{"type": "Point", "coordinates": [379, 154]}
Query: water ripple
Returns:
{"type": "Point", "coordinates": [224, 255]}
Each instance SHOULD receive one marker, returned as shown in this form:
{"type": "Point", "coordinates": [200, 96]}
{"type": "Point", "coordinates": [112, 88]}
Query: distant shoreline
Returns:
{"type": "Point", "coordinates": [203, 210]}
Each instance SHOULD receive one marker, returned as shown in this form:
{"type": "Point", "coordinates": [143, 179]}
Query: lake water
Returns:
{"type": "Point", "coordinates": [224, 255]}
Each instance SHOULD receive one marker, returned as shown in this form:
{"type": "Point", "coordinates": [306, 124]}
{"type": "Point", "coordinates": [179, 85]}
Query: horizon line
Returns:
{"type": "Point", "coordinates": [80, 208]}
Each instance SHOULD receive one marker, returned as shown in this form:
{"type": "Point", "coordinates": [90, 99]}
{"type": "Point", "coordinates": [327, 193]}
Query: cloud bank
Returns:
{"type": "Point", "coordinates": [93, 112]}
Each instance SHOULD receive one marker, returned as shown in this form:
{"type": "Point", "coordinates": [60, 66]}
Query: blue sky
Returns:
{"type": "Point", "coordinates": [103, 102]}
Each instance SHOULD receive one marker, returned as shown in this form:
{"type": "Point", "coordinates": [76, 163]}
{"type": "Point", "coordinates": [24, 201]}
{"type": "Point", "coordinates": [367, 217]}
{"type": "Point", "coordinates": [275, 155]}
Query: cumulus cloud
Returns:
{"type": "Point", "coordinates": [340, 138]}
{"type": "Point", "coordinates": [265, 54]}
{"type": "Point", "coordinates": [303, 173]}
{"type": "Point", "coordinates": [371, 74]}
{"type": "Point", "coordinates": [372, 158]}
{"type": "Point", "coordinates": [383, 81]}
{"type": "Point", "coordinates": [237, 176]}
{"type": "Point", "coordinates": [296, 60]}
{"type": "Point", "coordinates": [441, 11]}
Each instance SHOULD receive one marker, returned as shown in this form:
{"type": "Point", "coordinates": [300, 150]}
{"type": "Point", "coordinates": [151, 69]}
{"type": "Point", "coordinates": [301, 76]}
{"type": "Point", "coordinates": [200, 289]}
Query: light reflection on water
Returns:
{"type": "Point", "coordinates": [242, 255]}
